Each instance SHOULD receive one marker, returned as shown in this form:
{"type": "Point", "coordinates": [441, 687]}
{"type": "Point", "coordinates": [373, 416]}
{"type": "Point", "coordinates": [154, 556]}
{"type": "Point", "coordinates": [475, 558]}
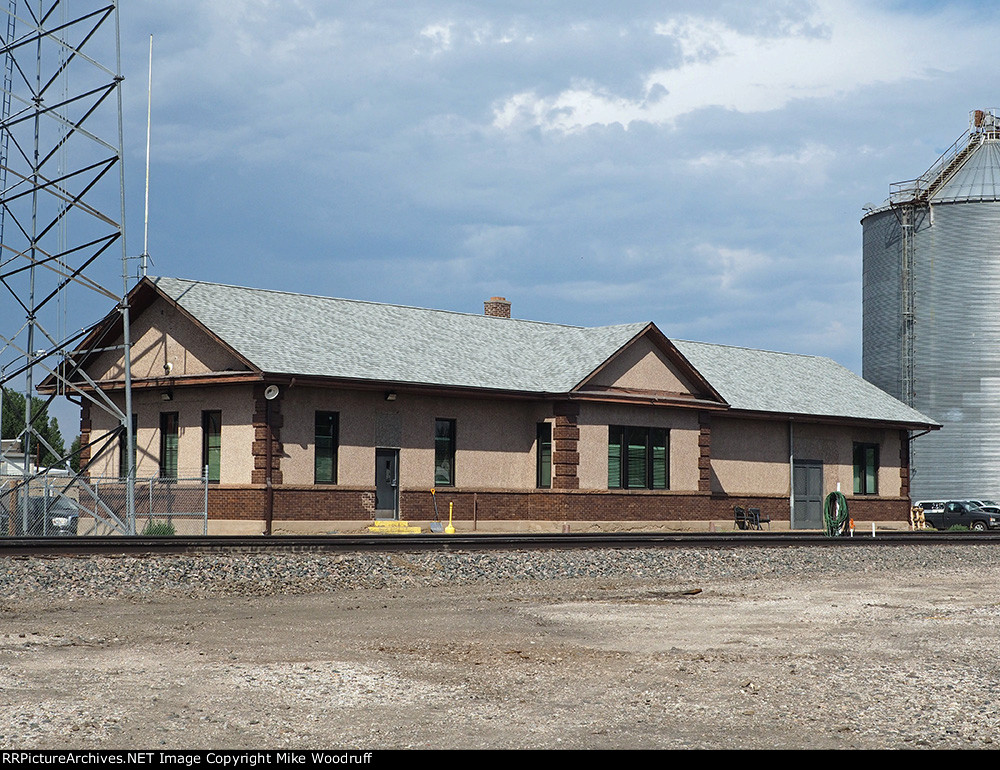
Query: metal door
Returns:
{"type": "Point", "coordinates": [386, 483]}
{"type": "Point", "coordinates": [807, 476]}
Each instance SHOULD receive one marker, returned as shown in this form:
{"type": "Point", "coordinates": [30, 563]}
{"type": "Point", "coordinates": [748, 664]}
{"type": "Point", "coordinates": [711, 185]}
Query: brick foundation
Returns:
{"type": "Point", "coordinates": [321, 503]}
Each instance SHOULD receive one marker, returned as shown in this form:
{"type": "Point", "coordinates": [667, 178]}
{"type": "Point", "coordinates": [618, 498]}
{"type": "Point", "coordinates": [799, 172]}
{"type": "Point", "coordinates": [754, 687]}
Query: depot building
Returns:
{"type": "Point", "coordinates": [314, 415]}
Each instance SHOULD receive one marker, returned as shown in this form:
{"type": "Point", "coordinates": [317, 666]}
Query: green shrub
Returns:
{"type": "Point", "coordinates": [159, 529]}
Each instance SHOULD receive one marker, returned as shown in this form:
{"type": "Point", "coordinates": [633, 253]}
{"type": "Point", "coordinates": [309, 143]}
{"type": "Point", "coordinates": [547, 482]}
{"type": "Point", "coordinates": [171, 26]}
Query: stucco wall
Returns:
{"type": "Point", "coordinates": [749, 457]}
{"type": "Point", "coordinates": [236, 404]}
{"type": "Point", "coordinates": [162, 335]}
{"type": "Point", "coordinates": [683, 431]}
{"type": "Point", "coordinates": [494, 440]}
{"type": "Point", "coordinates": [752, 456]}
{"type": "Point", "coordinates": [834, 445]}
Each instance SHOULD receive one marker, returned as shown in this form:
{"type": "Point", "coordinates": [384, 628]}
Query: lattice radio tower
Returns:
{"type": "Point", "coordinates": [62, 219]}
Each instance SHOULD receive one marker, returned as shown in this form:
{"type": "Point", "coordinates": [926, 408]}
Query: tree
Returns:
{"type": "Point", "coordinates": [74, 461]}
{"type": "Point", "coordinates": [12, 419]}
{"type": "Point", "coordinates": [50, 430]}
{"type": "Point", "coordinates": [12, 423]}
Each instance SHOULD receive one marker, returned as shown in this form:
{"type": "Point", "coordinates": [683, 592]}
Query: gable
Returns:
{"type": "Point", "coordinates": [161, 335]}
{"type": "Point", "coordinates": [644, 367]}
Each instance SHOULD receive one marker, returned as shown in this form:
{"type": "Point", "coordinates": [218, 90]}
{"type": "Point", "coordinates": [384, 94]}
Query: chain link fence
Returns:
{"type": "Point", "coordinates": [51, 506]}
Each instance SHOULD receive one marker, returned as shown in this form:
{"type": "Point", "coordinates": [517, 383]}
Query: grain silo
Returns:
{"type": "Point", "coordinates": [931, 295]}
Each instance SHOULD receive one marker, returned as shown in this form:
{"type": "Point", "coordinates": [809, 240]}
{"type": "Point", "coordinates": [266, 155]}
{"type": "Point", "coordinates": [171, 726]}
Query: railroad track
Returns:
{"type": "Point", "coordinates": [152, 546]}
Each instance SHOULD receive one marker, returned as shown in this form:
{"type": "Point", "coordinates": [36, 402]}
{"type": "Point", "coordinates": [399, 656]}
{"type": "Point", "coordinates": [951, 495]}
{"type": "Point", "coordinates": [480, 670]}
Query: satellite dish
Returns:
{"type": "Point", "coordinates": [271, 392]}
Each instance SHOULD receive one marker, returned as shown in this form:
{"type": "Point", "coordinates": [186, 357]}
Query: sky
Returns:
{"type": "Point", "coordinates": [702, 165]}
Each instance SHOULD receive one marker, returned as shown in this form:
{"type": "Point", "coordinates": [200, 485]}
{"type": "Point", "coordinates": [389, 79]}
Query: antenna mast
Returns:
{"type": "Point", "coordinates": [60, 224]}
{"type": "Point", "coordinates": [144, 258]}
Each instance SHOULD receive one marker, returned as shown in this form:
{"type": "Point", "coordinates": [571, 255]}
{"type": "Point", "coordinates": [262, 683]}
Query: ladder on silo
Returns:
{"type": "Point", "coordinates": [952, 165]}
{"type": "Point", "coordinates": [906, 214]}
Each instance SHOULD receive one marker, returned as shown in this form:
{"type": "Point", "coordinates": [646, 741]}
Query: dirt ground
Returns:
{"type": "Point", "coordinates": [874, 661]}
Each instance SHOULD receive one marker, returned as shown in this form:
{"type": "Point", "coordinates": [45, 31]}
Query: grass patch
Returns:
{"type": "Point", "coordinates": [159, 529]}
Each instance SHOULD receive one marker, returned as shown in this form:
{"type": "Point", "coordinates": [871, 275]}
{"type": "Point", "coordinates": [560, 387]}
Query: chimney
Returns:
{"type": "Point", "coordinates": [497, 307]}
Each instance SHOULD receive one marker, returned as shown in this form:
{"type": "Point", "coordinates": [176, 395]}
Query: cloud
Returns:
{"type": "Point", "coordinates": [735, 270]}
{"type": "Point", "coordinates": [811, 154]}
{"type": "Point", "coordinates": [494, 241]}
{"type": "Point", "coordinates": [599, 291]}
{"type": "Point", "coordinates": [438, 35]}
{"type": "Point", "coordinates": [445, 36]}
{"type": "Point", "coordinates": [700, 164]}
{"type": "Point", "coordinates": [839, 48]}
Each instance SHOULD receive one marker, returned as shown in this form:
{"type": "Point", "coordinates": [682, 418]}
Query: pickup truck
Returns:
{"type": "Point", "coordinates": [963, 513]}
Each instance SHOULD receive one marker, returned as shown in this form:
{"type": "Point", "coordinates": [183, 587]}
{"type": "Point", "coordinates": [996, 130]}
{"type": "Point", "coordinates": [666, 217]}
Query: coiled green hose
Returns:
{"type": "Point", "coordinates": [835, 514]}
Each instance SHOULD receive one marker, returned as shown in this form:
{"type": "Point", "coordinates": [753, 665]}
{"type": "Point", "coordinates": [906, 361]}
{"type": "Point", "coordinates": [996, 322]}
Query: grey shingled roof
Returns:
{"type": "Point", "coordinates": [297, 334]}
{"type": "Point", "coordinates": [283, 333]}
{"type": "Point", "coordinates": [787, 383]}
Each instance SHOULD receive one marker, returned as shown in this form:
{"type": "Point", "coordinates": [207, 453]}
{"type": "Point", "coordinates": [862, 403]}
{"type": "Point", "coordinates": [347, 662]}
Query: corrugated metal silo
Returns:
{"type": "Point", "coordinates": [931, 325]}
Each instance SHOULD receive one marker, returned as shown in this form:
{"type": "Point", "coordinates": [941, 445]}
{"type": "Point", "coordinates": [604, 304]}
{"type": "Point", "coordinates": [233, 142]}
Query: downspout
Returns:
{"type": "Point", "coordinates": [791, 474]}
{"type": "Point", "coordinates": [910, 436]}
{"type": "Point", "coordinates": [269, 505]}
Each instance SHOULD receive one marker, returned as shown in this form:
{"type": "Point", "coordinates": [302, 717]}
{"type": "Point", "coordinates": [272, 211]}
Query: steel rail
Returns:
{"type": "Point", "coordinates": [155, 546]}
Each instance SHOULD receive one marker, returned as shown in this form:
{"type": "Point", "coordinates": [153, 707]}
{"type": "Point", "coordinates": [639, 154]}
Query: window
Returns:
{"type": "Point", "coordinates": [123, 444]}
{"type": "Point", "coordinates": [211, 443]}
{"type": "Point", "coordinates": [866, 469]}
{"type": "Point", "coordinates": [637, 458]}
{"type": "Point", "coordinates": [169, 432]}
{"type": "Point", "coordinates": [444, 453]}
{"type": "Point", "coordinates": [543, 447]}
{"type": "Point", "coordinates": [327, 442]}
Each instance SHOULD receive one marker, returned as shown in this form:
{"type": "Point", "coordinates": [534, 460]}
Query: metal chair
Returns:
{"type": "Point", "coordinates": [754, 519]}
{"type": "Point", "coordinates": [740, 517]}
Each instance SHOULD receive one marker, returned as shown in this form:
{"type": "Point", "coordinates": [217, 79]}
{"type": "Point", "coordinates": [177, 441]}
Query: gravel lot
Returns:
{"type": "Point", "coordinates": [827, 647]}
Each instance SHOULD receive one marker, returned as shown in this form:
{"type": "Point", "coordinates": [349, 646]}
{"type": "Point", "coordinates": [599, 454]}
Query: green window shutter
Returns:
{"type": "Point", "coordinates": [614, 457]}
{"type": "Point", "coordinates": [211, 425]}
{"type": "Point", "coordinates": [444, 453]}
{"type": "Point", "coordinates": [636, 460]}
{"type": "Point", "coordinates": [543, 436]}
{"type": "Point", "coordinates": [658, 443]}
{"type": "Point", "coordinates": [170, 458]}
{"type": "Point", "coordinates": [324, 460]}
{"type": "Point", "coordinates": [326, 444]}
{"type": "Point", "coordinates": [866, 469]}
{"type": "Point", "coordinates": [871, 470]}
{"type": "Point", "coordinates": [169, 432]}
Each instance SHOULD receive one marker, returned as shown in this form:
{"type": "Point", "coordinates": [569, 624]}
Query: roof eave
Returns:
{"type": "Point", "coordinates": [874, 422]}
{"type": "Point", "coordinates": [181, 381]}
